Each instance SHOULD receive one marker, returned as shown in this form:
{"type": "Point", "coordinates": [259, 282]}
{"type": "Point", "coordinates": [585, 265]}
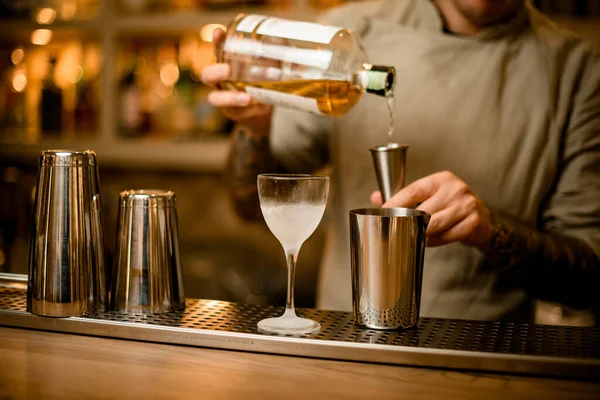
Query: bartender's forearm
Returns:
{"type": "Point", "coordinates": [553, 266]}
{"type": "Point", "coordinates": [249, 156]}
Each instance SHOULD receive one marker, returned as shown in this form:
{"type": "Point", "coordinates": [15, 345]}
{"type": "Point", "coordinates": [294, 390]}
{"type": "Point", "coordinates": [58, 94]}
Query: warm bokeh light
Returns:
{"type": "Point", "coordinates": [76, 74]}
{"type": "Point", "coordinates": [46, 16]}
{"type": "Point", "coordinates": [188, 47]}
{"type": "Point", "coordinates": [169, 73]}
{"type": "Point", "coordinates": [68, 66]}
{"type": "Point", "coordinates": [19, 81]}
{"type": "Point", "coordinates": [68, 9]}
{"type": "Point", "coordinates": [92, 60]}
{"type": "Point", "coordinates": [17, 55]}
{"type": "Point", "coordinates": [163, 91]}
{"type": "Point", "coordinates": [37, 63]}
{"type": "Point", "coordinates": [206, 33]}
{"type": "Point", "coordinates": [204, 57]}
{"type": "Point", "coordinates": [41, 37]}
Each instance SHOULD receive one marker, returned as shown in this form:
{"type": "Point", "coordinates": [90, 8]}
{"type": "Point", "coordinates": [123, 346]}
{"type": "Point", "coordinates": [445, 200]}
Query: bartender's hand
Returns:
{"type": "Point", "coordinates": [457, 214]}
{"type": "Point", "coordinates": [235, 105]}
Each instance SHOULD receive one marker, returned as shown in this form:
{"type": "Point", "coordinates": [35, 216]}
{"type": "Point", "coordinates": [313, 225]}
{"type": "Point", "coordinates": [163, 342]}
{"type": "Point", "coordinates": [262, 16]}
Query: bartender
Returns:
{"type": "Point", "coordinates": [500, 108]}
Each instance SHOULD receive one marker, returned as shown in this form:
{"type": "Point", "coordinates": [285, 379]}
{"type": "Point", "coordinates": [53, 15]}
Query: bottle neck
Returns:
{"type": "Point", "coordinates": [377, 79]}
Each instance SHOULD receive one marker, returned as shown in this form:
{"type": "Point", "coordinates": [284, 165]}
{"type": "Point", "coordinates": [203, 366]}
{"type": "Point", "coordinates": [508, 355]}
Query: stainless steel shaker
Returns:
{"type": "Point", "coordinates": [390, 164]}
{"type": "Point", "coordinates": [147, 274]}
{"type": "Point", "coordinates": [387, 247]}
{"type": "Point", "coordinates": [67, 274]}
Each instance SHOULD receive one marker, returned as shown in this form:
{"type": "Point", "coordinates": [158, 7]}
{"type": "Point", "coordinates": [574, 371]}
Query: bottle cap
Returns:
{"type": "Point", "coordinates": [379, 79]}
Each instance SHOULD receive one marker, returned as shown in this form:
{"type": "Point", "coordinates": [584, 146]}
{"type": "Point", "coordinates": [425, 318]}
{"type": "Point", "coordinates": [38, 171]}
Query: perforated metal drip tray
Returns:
{"type": "Point", "coordinates": [440, 343]}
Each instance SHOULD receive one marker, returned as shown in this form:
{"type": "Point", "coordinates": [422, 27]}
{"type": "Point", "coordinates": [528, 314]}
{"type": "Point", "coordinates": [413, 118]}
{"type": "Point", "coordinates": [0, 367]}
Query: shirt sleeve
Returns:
{"type": "Point", "coordinates": [561, 260]}
{"type": "Point", "coordinates": [299, 140]}
{"type": "Point", "coordinates": [574, 207]}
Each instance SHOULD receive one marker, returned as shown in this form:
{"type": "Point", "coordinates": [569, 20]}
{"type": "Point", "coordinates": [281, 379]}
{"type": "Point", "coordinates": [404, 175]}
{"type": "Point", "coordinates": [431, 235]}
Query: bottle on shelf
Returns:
{"type": "Point", "coordinates": [86, 109]}
{"type": "Point", "coordinates": [181, 104]}
{"type": "Point", "coordinates": [130, 116]}
{"type": "Point", "coordinates": [51, 104]}
{"type": "Point", "coordinates": [302, 65]}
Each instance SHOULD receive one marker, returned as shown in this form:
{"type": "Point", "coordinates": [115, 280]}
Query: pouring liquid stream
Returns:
{"type": "Point", "coordinates": [389, 96]}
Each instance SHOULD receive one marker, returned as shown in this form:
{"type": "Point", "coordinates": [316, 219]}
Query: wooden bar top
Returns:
{"type": "Point", "coordinates": [40, 365]}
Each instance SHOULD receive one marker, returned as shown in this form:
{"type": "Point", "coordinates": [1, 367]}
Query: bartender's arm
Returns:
{"type": "Point", "coordinates": [560, 260]}
{"type": "Point", "coordinates": [265, 140]}
{"type": "Point", "coordinates": [555, 266]}
{"type": "Point", "coordinates": [249, 154]}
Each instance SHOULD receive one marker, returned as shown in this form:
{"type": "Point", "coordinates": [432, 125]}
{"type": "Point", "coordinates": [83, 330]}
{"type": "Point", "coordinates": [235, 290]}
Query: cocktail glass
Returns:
{"type": "Point", "coordinates": [292, 206]}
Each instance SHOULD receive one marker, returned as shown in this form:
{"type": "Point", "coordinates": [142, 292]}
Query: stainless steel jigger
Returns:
{"type": "Point", "coordinates": [66, 257]}
{"type": "Point", "coordinates": [147, 275]}
{"type": "Point", "coordinates": [389, 162]}
{"type": "Point", "coordinates": [387, 246]}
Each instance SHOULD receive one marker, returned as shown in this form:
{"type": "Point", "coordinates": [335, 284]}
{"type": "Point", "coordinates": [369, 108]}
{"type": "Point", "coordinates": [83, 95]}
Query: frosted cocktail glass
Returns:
{"type": "Point", "coordinates": [292, 206]}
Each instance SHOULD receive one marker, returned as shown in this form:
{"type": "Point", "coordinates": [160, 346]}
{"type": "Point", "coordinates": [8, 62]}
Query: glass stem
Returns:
{"type": "Point", "coordinates": [291, 264]}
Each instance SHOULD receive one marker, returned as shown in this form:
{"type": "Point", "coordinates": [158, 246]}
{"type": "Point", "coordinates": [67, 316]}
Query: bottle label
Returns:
{"type": "Point", "coordinates": [249, 23]}
{"type": "Point", "coordinates": [296, 30]}
{"type": "Point", "coordinates": [283, 99]}
{"type": "Point", "coordinates": [308, 57]}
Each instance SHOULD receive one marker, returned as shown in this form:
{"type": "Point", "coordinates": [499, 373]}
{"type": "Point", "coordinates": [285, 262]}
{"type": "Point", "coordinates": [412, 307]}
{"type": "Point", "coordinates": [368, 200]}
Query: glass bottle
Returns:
{"type": "Point", "coordinates": [86, 108]}
{"type": "Point", "coordinates": [302, 65]}
{"type": "Point", "coordinates": [130, 116]}
{"type": "Point", "coordinates": [51, 104]}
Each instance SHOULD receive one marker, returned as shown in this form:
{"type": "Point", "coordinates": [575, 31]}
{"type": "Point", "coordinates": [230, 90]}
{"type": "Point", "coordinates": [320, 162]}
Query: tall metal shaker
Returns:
{"type": "Point", "coordinates": [67, 275]}
{"type": "Point", "coordinates": [147, 273]}
{"type": "Point", "coordinates": [387, 247]}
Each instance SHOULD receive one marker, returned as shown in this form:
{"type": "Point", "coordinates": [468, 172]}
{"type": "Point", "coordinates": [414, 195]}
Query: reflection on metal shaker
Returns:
{"type": "Point", "coordinates": [147, 274]}
{"type": "Point", "coordinates": [67, 275]}
{"type": "Point", "coordinates": [387, 247]}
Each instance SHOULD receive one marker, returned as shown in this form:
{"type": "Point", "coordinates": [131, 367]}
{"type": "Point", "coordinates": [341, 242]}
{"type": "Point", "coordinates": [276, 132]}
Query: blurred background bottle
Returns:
{"type": "Point", "coordinates": [130, 117]}
{"type": "Point", "coordinates": [86, 108]}
{"type": "Point", "coordinates": [51, 103]}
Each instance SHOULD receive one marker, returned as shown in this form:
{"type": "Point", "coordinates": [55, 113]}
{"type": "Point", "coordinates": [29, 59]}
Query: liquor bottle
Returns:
{"type": "Point", "coordinates": [130, 117]}
{"type": "Point", "coordinates": [302, 65]}
{"type": "Point", "coordinates": [86, 109]}
{"type": "Point", "coordinates": [51, 104]}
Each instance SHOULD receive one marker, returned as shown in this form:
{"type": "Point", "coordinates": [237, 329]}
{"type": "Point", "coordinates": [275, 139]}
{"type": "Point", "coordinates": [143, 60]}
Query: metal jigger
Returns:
{"type": "Point", "coordinates": [389, 162]}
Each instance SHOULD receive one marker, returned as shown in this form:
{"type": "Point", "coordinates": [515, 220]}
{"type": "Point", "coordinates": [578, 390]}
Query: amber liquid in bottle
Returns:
{"type": "Point", "coordinates": [334, 98]}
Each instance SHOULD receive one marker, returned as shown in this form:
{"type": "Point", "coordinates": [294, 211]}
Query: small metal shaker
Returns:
{"type": "Point", "coordinates": [67, 274]}
{"type": "Point", "coordinates": [147, 274]}
{"type": "Point", "coordinates": [390, 163]}
{"type": "Point", "coordinates": [387, 246]}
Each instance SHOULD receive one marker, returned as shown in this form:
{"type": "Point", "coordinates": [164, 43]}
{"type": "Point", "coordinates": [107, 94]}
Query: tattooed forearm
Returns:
{"type": "Point", "coordinates": [552, 266]}
{"type": "Point", "coordinates": [249, 156]}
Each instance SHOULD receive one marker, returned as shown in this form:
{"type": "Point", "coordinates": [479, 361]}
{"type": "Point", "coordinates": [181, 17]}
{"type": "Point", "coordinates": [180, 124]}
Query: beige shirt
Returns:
{"type": "Point", "coordinates": [513, 111]}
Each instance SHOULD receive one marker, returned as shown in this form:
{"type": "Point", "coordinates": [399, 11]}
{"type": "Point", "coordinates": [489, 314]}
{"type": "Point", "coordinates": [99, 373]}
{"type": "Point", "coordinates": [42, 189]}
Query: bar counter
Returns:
{"type": "Point", "coordinates": [38, 365]}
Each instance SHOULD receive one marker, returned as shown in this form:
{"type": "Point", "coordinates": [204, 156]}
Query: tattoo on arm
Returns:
{"type": "Point", "coordinates": [249, 156]}
{"type": "Point", "coordinates": [552, 266]}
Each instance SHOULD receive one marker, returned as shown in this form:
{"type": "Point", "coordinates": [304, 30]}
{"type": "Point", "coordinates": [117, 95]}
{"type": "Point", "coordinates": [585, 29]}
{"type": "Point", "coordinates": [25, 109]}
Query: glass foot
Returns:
{"type": "Point", "coordinates": [289, 323]}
